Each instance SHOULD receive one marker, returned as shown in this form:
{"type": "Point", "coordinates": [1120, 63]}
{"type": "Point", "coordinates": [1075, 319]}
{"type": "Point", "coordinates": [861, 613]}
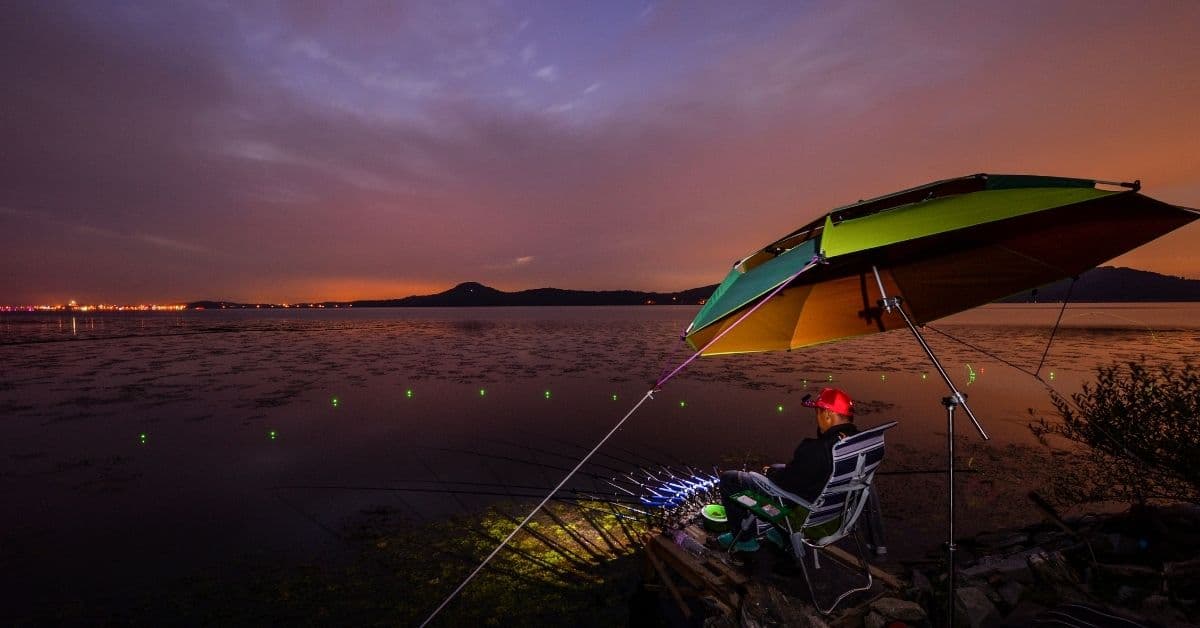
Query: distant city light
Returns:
{"type": "Point", "coordinates": [100, 307]}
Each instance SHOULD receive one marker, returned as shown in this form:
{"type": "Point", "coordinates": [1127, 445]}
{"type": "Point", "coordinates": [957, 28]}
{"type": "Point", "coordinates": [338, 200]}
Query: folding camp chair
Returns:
{"type": "Point", "coordinates": [833, 515]}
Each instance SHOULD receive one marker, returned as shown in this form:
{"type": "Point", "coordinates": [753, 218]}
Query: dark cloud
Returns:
{"type": "Point", "coordinates": [291, 151]}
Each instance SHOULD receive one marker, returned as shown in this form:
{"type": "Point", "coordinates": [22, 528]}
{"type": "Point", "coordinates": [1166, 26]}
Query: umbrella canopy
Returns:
{"type": "Point", "coordinates": [942, 248]}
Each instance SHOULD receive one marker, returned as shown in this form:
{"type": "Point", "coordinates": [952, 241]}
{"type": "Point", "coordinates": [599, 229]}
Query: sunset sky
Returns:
{"type": "Point", "coordinates": [291, 151]}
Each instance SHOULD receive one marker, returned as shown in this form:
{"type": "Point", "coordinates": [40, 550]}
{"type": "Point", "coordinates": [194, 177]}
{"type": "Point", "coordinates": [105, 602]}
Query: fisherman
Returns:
{"type": "Point", "coordinates": [806, 474]}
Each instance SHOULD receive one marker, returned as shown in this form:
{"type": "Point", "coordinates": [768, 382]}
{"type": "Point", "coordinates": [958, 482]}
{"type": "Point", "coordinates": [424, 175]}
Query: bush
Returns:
{"type": "Point", "coordinates": [1139, 432]}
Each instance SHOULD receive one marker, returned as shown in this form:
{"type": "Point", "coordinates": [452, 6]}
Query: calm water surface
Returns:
{"type": "Point", "coordinates": [136, 448]}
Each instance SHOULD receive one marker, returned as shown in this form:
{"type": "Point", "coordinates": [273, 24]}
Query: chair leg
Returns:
{"type": "Point", "coordinates": [866, 571]}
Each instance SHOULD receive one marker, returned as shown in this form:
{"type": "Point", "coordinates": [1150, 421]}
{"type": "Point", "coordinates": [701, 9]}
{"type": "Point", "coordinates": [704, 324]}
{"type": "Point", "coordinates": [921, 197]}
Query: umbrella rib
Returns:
{"type": "Point", "coordinates": [813, 262]}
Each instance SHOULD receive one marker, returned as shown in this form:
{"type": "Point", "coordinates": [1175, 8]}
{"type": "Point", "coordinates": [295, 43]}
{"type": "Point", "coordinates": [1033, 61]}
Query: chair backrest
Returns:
{"type": "Point", "coordinates": [855, 459]}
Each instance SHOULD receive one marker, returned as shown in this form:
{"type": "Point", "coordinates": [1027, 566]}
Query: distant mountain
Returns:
{"type": "Point", "coordinates": [1108, 284]}
{"type": "Point", "coordinates": [473, 294]}
{"type": "Point", "coordinates": [1099, 285]}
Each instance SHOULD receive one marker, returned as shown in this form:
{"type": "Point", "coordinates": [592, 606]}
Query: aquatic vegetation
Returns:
{"type": "Point", "coordinates": [1137, 432]}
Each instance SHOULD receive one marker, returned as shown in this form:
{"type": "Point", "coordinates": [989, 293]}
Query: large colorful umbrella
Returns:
{"type": "Point", "coordinates": [909, 258]}
{"type": "Point", "coordinates": [942, 248]}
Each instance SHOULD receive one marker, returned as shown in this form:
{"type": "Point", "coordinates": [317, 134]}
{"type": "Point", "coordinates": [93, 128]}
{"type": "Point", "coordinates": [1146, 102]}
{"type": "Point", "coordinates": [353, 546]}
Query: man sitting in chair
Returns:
{"type": "Point", "coordinates": [805, 475]}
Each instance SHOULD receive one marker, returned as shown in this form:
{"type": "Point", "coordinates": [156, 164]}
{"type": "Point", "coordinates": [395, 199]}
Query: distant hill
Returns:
{"type": "Point", "coordinates": [1099, 285]}
{"type": "Point", "coordinates": [473, 294]}
{"type": "Point", "coordinates": [1108, 284]}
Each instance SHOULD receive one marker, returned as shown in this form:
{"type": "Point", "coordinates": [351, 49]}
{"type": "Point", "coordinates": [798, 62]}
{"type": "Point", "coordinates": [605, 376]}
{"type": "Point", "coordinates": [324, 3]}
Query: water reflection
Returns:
{"type": "Point", "coordinates": [369, 398]}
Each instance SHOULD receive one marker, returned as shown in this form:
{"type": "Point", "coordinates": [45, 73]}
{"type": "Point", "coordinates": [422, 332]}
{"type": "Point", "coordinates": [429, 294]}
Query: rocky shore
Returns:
{"type": "Point", "coordinates": [1139, 567]}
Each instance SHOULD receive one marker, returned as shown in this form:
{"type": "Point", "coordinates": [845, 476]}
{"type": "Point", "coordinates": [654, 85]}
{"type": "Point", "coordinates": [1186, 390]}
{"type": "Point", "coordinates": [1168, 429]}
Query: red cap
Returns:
{"type": "Point", "coordinates": [832, 399]}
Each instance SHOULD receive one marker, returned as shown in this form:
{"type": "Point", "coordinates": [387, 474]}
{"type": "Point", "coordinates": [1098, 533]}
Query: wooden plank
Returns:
{"type": "Point", "coordinates": [682, 564]}
{"type": "Point", "coordinates": [681, 558]}
{"type": "Point", "coordinates": [697, 534]}
{"type": "Point", "coordinates": [667, 582]}
{"type": "Point", "coordinates": [734, 576]}
{"type": "Point", "coordinates": [878, 573]}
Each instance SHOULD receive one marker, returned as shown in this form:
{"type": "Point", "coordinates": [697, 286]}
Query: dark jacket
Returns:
{"type": "Point", "coordinates": [812, 463]}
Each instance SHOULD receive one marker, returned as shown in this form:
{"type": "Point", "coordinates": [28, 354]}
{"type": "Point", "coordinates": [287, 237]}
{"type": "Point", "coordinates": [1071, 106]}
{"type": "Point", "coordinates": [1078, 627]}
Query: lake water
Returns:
{"type": "Point", "coordinates": [138, 448]}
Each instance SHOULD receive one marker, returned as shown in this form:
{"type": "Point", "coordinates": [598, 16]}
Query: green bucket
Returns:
{"type": "Point", "coordinates": [714, 518]}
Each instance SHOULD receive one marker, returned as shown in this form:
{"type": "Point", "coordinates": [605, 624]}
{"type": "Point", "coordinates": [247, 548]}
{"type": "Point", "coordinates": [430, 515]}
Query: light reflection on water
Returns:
{"type": "Point", "coordinates": [151, 442]}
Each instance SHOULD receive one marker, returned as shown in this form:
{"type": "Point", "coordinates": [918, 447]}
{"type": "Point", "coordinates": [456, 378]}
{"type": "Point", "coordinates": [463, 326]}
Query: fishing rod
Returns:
{"type": "Point", "coordinates": [567, 577]}
{"type": "Point", "coordinates": [564, 552]}
{"type": "Point", "coordinates": [565, 528]}
{"type": "Point", "coordinates": [511, 459]}
{"type": "Point", "coordinates": [631, 463]}
{"type": "Point", "coordinates": [600, 531]}
{"type": "Point", "coordinates": [566, 555]}
{"type": "Point", "coordinates": [621, 522]}
{"type": "Point", "coordinates": [610, 480]}
{"type": "Point", "coordinates": [448, 491]}
{"type": "Point", "coordinates": [557, 454]}
{"type": "Point", "coordinates": [692, 487]}
{"type": "Point", "coordinates": [599, 453]}
{"type": "Point", "coordinates": [534, 452]}
{"type": "Point", "coordinates": [415, 488]}
{"type": "Point", "coordinates": [580, 509]}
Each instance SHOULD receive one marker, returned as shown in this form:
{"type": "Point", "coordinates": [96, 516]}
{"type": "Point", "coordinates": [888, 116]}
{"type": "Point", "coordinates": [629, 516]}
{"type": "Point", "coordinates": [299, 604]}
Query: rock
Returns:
{"type": "Point", "coordinates": [1155, 602]}
{"type": "Point", "coordinates": [1129, 596]}
{"type": "Point", "coordinates": [975, 607]}
{"type": "Point", "coordinates": [720, 621]}
{"type": "Point", "coordinates": [893, 608]}
{"type": "Point", "coordinates": [1000, 540]}
{"type": "Point", "coordinates": [1048, 537]}
{"type": "Point", "coordinates": [1159, 609]}
{"type": "Point", "coordinates": [875, 620]}
{"type": "Point", "coordinates": [1126, 545]}
{"type": "Point", "coordinates": [1024, 613]}
{"type": "Point", "coordinates": [791, 612]}
{"type": "Point", "coordinates": [921, 582]}
{"type": "Point", "coordinates": [1015, 567]}
{"type": "Point", "coordinates": [1010, 592]}
{"type": "Point", "coordinates": [1052, 569]}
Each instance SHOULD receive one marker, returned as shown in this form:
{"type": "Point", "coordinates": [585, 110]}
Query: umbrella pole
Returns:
{"type": "Point", "coordinates": [951, 402]}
